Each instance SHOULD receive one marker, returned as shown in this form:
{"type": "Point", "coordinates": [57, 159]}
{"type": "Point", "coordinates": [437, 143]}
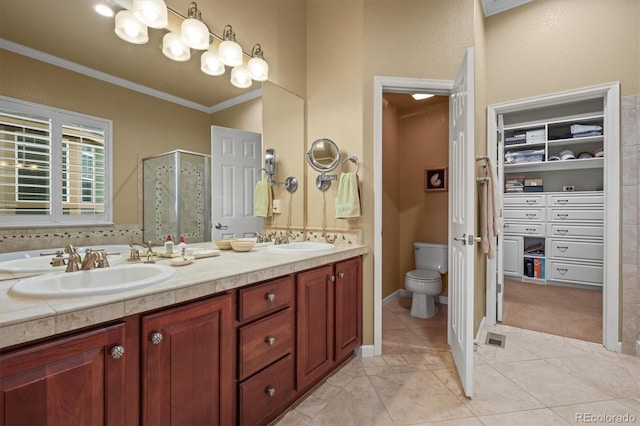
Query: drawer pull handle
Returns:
{"type": "Point", "coordinates": [563, 248]}
{"type": "Point", "coordinates": [117, 352]}
{"type": "Point", "coordinates": [562, 270]}
{"type": "Point", "coordinates": [156, 338]}
{"type": "Point", "coordinates": [563, 215]}
{"type": "Point", "coordinates": [562, 231]}
{"type": "Point", "coordinates": [563, 201]}
{"type": "Point", "coordinates": [332, 278]}
{"type": "Point", "coordinates": [341, 274]}
{"type": "Point", "coordinates": [271, 391]}
{"type": "Point", "coordinates": [505, 226]}
{"type": "Point", "coordinates": [531, 201]}
{"type": "Point", "coordinates": [531, 229]}
{"type": "Point", "coordinates": [271, 297]}
{"type": "Point", "coordinates": [270, 340]}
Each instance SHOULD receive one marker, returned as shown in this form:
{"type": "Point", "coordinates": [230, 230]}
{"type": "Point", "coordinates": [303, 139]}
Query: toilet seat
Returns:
{"type": "Point", "coordinates": [424, 275]}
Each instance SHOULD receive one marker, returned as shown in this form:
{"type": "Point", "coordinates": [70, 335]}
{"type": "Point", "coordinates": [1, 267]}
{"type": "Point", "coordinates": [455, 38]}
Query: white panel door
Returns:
{"type": "Point", "coordinates": [461, 222]}
{"type": "Point", "coordinates": [236, 160]}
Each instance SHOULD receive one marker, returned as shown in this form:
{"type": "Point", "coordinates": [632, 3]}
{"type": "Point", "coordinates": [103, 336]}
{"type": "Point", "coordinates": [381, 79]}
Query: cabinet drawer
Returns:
{"type": "Point", "coordinates": [586, 274]}
{"type": "Point", "coordinates": [263, 298]}
{"type": "Point", "coordinates": [575, 200]}
{"type": "Point", "coordinates": [534, 229]}
{"type": "Point", "coordinates": [262, 342]}
{"type": "Point", "coordinates": [266, 392]}
{"type": "Point", "coordinates": [524, 214]}
{"type": "Point", "coordinates": [561, 230]}
{"type": "Point", "coordinates": [575, 249]}
{"type": "Point", "coordinates": [575, 215]}
{"type": "Point", "coordinates": [524, 200]}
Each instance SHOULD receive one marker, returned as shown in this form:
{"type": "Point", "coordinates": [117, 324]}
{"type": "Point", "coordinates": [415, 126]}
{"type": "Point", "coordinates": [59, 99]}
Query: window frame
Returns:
{"type": "Point", "coordinates": [59, 118]}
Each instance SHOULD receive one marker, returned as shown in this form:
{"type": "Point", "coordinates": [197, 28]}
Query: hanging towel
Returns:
{"type": "Point", "coordinates": [490, 220]}
{"type": "Point", "coordinates": [348, 199]}
{"type": "Point", "coordinates": [262, 199]}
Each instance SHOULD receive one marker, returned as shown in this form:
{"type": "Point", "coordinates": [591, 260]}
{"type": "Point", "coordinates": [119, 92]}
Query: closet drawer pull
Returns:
{"type": "Point", "coordinates": [563, 215]}
{"type": "Point", "coordinates": [562, 270]}
{"type": "Point", "coordinates": [531, 201]}
{"type": "Point", "coordinates": [533, 230]}
{"type": "Point", "coordinates": [563, 201]}
{"type": "Point", "coordinates": [531, 215]}
{"type": "Point", "coordinates": [562, 231]}
{"type": "Point", "coordinates": [563, 248]}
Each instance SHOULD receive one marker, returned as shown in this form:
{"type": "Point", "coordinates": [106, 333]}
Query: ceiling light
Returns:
{"type": "Point", "coordinates": [103, 10]}
{"type": "Point", "coordinates": [174, 48]}
{"type": "Point", "coordinates": [257, 67]}
{"type": "Point", "coordinates": [229, 51]}
{"type": "Point", "coordinates": [130, 29]}
{"type": "Point", "coordinates": [240, 77]}
{"type": "Point", "coordinates": [194, 32]}
{"type": "Point", "coordinates": [210, 64]}
{"type": "Point", "coordinates": [152, 13]}
{"type": "Point", "coordinates": [421, 96]}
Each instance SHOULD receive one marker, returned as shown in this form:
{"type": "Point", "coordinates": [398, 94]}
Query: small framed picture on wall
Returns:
{"type": "Point", "coordinates": [435, 179]}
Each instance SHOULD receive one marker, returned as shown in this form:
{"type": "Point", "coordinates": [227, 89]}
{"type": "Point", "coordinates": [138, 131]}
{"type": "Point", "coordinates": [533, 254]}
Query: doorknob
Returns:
{"type": "Point", "coordinates": [468, 239]}
{"type": "Point", "coordinates": [462, 239]}
{"type": "Point", "coordinates": [220, 226]}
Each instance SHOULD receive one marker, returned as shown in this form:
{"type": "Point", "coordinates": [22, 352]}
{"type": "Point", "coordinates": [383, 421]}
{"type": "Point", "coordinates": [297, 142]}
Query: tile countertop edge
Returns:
{"type": "Point", "coordinates": [46, 318]}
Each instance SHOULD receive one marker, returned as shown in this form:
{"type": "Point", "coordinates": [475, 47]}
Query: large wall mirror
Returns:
{"type": "Point", "coordinates": [177, 115]}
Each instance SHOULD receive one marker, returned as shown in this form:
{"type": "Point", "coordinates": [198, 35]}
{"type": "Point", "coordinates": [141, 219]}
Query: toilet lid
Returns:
{"type": "Point", "coordinates": [424, 275]}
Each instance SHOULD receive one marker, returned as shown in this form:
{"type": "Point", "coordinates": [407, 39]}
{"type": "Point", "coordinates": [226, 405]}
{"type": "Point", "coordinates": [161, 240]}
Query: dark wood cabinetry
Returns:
{"type": "Point", "coordinates": [329, 318]}
{"type": "Point", "coordinates": [78, 380]}
{"type": "Point", "coordinates": [186, 364]}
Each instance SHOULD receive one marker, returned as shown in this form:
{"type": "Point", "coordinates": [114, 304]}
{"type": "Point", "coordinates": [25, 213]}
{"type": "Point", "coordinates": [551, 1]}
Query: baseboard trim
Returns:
{"type": "Point", "coordinates": [479, 332]}
{"type": "Point", "coordinates": [406, 293]}
{"type": "Point", "coordinates": [365, 351]}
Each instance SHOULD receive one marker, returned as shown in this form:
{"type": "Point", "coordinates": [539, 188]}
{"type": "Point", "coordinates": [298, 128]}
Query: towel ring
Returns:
{"type": "Point", "coordinates": [354, 160]}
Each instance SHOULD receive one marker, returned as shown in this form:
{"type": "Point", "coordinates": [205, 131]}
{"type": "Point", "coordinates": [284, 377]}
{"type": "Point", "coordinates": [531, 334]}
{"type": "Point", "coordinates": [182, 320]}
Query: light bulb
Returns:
{"type": "Point", "coordinates": [152, 13]}
{"type": "Point", "coordinates": [240, 77]}
{"type": "Point", "coordinates": [195, 34]}
{"type": "Point", "coordinates": [130, 29]}
{"type": "Point", "coordinates": [174, 49]}
{"type": "Point", "coordinates": [210, 64]}
{"type": "Point", "coordinates": [258, 69]}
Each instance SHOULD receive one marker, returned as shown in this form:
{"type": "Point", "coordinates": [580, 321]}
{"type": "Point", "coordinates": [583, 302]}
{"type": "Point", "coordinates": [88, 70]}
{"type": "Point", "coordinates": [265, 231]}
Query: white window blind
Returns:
{"type": "Point", "coordinates": [54, 166]}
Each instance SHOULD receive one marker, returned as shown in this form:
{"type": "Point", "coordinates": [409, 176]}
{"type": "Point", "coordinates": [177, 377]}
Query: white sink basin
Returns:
{"type": "Point", "coordinates": [302, 247]}
{"type": "Point", "coordinates": [42, 264]}
{"type": "Point", "coordinates": [94, 282]}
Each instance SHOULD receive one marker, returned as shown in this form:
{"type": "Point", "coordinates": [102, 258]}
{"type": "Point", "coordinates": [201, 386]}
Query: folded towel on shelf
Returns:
{"type": "Point", "coordinates": [583, 128]}
{"type": "Point", "coordinates": [348, 198]}
{"type": "Point", "coordinates": [490, 219]}
{"type": "Point", "coordinates": [263, 199]}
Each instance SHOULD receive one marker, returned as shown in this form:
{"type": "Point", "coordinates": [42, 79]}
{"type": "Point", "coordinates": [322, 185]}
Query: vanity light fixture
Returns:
{"type": "Point", "coordinates": [211, 64]}
{"type": "Point", "coordinates": [240, 77]}
{"type": "Point", "coordinates": [193, 31]}
{"type": "Point", "coordinates": [229, 51]}
{"type": "Point", "coordinates": [152, 13]}
{"type": "Point", "coordinates": [174, 48]}
{"type": "Point", "coordinates": [130, 29]}
{"type": "Point", "coordinates": [257, 67]}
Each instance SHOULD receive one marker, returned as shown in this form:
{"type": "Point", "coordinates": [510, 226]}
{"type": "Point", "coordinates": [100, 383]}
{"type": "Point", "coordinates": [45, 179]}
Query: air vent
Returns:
{"type": "Point", "coordinates": [495, 339]}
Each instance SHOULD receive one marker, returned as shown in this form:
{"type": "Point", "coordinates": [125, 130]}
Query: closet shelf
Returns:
{"type": "Point", "coordinates": [584, 163]}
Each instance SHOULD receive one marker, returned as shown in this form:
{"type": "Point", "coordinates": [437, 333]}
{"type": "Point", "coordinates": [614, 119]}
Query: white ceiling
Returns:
{"type": "Point", "coordinates": [492, 7]}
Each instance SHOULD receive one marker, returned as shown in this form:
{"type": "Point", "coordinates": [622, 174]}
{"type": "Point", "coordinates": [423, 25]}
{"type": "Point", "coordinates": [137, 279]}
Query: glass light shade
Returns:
{"type": "Point", "coordinates": [174, 48]}
{"type": "Point", "coordinates": [130, 29]}
{"type": "Point", "coordinates": [152, 13]}
{"type": "Point", "coordinates": [230, 53]}
{"type": "Point", "coordinates": [195, 34]}
{"type": "Point", "coordinates": [258, 69]}
{"type": "Point", "coordinates": [240, 77]}
{"type": "Point", "coordinates": [210, 64]}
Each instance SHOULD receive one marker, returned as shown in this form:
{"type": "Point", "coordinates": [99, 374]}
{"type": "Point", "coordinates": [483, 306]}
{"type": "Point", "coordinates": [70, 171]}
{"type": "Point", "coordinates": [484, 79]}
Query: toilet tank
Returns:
{"type": "Point", "coordinates": [431, 256]}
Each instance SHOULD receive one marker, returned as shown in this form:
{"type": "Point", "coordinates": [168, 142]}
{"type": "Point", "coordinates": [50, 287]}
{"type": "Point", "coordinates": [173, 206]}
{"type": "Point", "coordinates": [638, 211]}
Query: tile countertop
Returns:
{"type": "Point", "coordinates": [23, 319]}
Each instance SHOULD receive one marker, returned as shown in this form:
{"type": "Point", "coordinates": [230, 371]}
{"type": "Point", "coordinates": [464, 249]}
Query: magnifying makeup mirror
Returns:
{"type": "Point", "coordinates": [324, 156]}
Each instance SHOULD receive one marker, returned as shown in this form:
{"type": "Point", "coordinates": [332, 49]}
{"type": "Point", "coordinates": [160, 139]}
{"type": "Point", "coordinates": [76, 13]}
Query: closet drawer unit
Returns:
{"type": "Point", "coordinates": [582, 274]}
{"type": "Point", "coordinates": [524, 200]}
{"type": "Point", "coordinates": [264, 393]}
{"type": "Point", "coordinates": [533, 229]}
{"type": "Point", "coordinates": [566, 215]}
{"type": "Point", "coordinates": [575, 200]}
{"type": "Point", "coordinates": [263, 298]}
{"type": "Point", "coordinates": [524, 214]}
{"type": "Point", "coordinates": [563, 249]}
{"type": "Point", "coordinates": [264, 341]}
{"type": "Point", "coordinates": [568, 230]}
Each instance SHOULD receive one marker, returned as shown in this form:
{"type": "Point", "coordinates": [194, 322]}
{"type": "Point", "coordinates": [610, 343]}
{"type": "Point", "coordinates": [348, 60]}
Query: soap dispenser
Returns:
{"type": "Point", "coordinates": [168, 245]}
{"type": "Point", "coordinates": [182, 244]}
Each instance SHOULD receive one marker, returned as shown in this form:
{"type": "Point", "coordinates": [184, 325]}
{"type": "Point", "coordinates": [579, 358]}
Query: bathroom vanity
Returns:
{"type": "Point", "coordinates": [232, 339]}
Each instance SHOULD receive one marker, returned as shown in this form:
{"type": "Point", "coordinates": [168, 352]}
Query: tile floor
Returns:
{"type": "Point", "coordinates": [537, 379]}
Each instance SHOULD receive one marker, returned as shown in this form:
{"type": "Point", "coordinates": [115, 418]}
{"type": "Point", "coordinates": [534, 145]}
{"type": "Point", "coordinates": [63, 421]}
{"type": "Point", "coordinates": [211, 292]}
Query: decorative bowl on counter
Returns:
{"type": "Point", "coordinates": [223, 243]}
{"type": "Point", "coordinates": [243, 244]}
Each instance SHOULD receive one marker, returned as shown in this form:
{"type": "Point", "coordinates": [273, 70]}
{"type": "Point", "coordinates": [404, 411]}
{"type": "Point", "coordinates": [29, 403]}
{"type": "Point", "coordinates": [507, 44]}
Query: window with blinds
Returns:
{"type": "Point", "coordinates": [54, 166]}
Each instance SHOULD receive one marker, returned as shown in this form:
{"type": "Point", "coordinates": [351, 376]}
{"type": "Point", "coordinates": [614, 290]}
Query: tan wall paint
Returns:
{"type": "Point", "coordinates": [142, 125]}
{"type": "Point", "coordinates": [246, 116]}
{"type": "Point", "coordinates": [548, 46]}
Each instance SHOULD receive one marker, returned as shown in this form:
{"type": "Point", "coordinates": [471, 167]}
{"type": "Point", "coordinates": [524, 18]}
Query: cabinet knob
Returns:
{"type": "Point", "coordinates": [271, 391]}
{"type": "Point", "coordinates": [271, 297]}
{"type": "Point", "coordinates": [341, 274]}
{"type": "Point", "coordinates": [270, 340]}
{"type": "Point", "coordinates": [117, 352]}
{"type": "Point", "coordinates": [332, 278]}
{"type": "Point", "coordinates": [156, 338]}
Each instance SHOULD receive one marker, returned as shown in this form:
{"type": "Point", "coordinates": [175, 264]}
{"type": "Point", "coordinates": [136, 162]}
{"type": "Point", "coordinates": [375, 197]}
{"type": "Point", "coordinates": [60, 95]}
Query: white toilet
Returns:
{"type": "Point", "coordinates": [425, 282]}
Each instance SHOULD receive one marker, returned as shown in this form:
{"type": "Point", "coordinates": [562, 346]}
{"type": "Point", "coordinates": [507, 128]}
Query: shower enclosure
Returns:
{"type": "Point", "coordinates": [177, 197]}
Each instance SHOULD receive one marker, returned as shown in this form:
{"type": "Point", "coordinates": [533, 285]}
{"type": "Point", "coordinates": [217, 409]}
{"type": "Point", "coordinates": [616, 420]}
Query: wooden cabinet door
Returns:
{"type": "Point", "coordinates": [348, 307]}
{"type": "Point", "coordinates": [315, 323]}
{"type": "Point", "coordinates": [187, 365]}
{"type": "Point", "coordinates": [70, 381]}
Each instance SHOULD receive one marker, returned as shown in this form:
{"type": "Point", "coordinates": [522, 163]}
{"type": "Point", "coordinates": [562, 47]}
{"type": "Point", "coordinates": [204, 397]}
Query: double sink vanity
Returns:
{"type": "Point", "coordinates": [230, 339]}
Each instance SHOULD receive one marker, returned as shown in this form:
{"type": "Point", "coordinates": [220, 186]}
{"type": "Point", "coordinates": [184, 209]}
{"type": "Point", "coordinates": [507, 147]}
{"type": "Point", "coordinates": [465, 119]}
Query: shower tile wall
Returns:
{"type": "Point", "coordinates": [630, 153]}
